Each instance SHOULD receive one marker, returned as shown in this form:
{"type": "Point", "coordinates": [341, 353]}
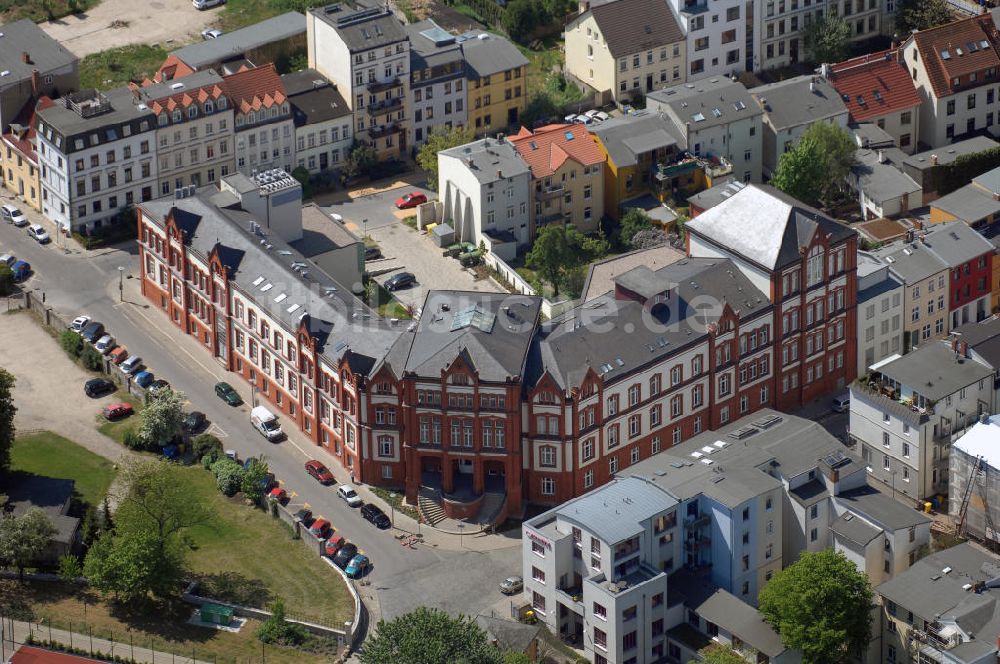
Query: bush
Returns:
{"type": "Point", "coordinates": [70, 569]}
{"type": "Point", "coordinates": [91, 358]}
{"type": "Point", "coordinates": [207, 446]}
{"type": "Point", "coordinates": [72, 343]}
{"type": "Point", "coordinates": [6, 280]}
{"type": "Point", "coordinates": [252, 484]}
{"type": "Point", "coordinates": [276, 630]}
{"type": "Point", "coordinates": [228, 476]}
{"type": "Point", "coordinates": [133, 441]}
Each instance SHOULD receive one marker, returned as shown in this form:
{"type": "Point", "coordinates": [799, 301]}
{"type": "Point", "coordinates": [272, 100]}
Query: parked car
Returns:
{"type": "Point", "coordinates": [842, 402]}
{"type": "Point", "coordinates": [211, 33]}
{"type": "Point", "coordinates": [410, 200]}
{"type": "Point", "coordinates": [8, 260]}
{"type": "Point", "coordinates": [320, 472]}
{"type": "Point", "coordinates": [319, 527]}
{"type": "Point", "coordinates": [303, 515]}
{"type": "Point", "coordinates": [105, 344]}
{"type": "Point", "coordinates": [512, 585]}
{"type": "Point", "coordinates": [358, 566]}
{"type": "Point", "coordinates": [375, 515]}
{"type": "Point", "coordinates": [226, 392]}
{"type": "Point", "coordinates": [266, 423]}
{"type": "Point", "coordinates": [21, 270]}
{"type": "Point", "coordinates": [131, 364]}
{"type": "Point", "coordinates": [279, 494]}
{"type": "Point", "coordinates": [41, 236]}
{"type": "Point", "coordinates": [207, 4]}
{"type": "Point", "coordinates": [349, 495]}
{"type": "Point", "coordinates": [400, 280]}
{"type": "Point", "coordinates": [144, 378]}
{"type": "Point", "coordinates": [194, 421]}
{"type": "Point", "coordinates": [92, 331]}
{"type": "Point", "coordinates": [117, 411]}
{"type": "Point", "coordinates": [98, 387]}
{"type": "Point", "coordinates": [118, 355]}
{"type": "Point", "coordinates": [344, 555]}
{"type": "Point", "coordinates": [158, 385]}
{"type": "Point", "coordinates": [372, 253]}
{"type": "Point", "coordinates": [597, 116]}
{"type": "Point", "coordinates": [572, 118]}
{"type": "Point", "coordinates": [333, 544]}
{"type": "Point", "coordinates": [78, 323]}
{"type": "Point", "coordinates": [12, 215]}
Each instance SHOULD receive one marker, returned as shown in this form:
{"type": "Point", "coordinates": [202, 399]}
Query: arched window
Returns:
{"type": "Point", "coordinates": [814, 266]}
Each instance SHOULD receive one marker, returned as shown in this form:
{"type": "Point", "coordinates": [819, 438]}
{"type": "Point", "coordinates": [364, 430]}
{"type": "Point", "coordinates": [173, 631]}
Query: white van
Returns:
{"type": "Point", "coordinates": [266, 423]}
{"type": "Point", "coordinates": [842, 403]}
{"type": "Point", "coordinates": [13, 215]}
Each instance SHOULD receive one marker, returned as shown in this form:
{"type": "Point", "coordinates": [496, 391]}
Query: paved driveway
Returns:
{"type": "Point", "coordinates": [377, 208]}
{"type": "Point", "coordinates": [169, 23]}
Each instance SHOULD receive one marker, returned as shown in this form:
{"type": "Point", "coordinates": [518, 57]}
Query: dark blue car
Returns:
{"type": "Point", "coordinates": [21, 270]}
{"type": "Point", "coordinates": [144, 378]}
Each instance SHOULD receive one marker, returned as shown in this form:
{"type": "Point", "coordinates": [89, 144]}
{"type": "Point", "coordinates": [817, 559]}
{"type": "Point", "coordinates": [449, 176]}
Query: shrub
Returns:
{"type": "Point", "coordinates": [91, 358]}
{"type": "Point", "coordinates": [228, 476]}
{"type": "Point", "coordinates": [69, 568]}
{"type": "Point", "coordinates": [276, 630]}
{"type": "Point", "coordinates": [252, 484]}
{"type": "Point", "coordinates": [72, 343]}
{"type": "Point", "coordinates": [6, 280]}
{"type": "Point", "coordinates": [207, 445]}
{"type": "Point", "coordinates": [133, 441]}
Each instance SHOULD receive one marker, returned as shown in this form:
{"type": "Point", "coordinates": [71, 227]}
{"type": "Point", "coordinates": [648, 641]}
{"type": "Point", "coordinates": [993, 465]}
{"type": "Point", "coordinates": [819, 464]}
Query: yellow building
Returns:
{"type": "Point", "coordinates": [497, 84]}
{"type": "Point", "coordinates": [21, 174]}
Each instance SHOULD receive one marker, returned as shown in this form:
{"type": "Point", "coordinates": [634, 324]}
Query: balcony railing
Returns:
{"type": "Point", "coordinates": [697, 521]}
{"type": "Point", "coordinates": [384, 130]}
{"type": "Point", "coordinates": [547, 193]}
{"type": "Point", "coordinates": [384, 105]}
{"type": "Point", "coordinates": [572, 596]}
{"type": "Point", "coordinates": [382, 86]}
{"type": "Point", "coordinates": [695, 543]}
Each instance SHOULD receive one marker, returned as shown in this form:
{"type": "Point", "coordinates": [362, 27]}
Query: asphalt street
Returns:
{"type": "Point", "coordinates": [375, 210]}
{"type": "Point", "coordinates": [76, 282]}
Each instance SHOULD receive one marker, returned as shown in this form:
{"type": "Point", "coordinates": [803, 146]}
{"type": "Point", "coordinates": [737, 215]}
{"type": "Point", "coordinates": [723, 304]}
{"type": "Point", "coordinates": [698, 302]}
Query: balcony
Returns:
{"type": "Point", "coordinates": [685, 162]}
{"type": "Point", "coordinates": [384, 130]}
{"type": "Point", "coordinates": [886, 396]}
{"type": "Point", "coordinates": [384, 106]}
{"type": "Point", "coordinates": [699, 521]}
{"type": "Point", "coordinates": [547, 193]}
{"type": "Point", "coordinates": [695, 7]}
{"type": "Point", "coordinates": [694, 544]}
{"type": "Point", "coordinates": [572, 597]}
{"type": "Point", "coordinates": [381, 86]}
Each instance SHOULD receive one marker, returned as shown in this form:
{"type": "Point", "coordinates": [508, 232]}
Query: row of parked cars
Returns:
{"type": "Point", "coordinates": [588, 118]}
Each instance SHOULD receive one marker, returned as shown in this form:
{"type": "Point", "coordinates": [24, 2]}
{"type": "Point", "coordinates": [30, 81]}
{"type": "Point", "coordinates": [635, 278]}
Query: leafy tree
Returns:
{"type": "Point", "coordinates": [827, 40]}
{"type": "Point", "coordinates": [539, 108]}
{"type": "Point", "coordinates": [921, 15]}
{"type": "Point", "coordinates": [207, 445]}
{"type": "Point", "coordinates": [719, 654]}
{"type": "Point", "coordinates": [6, 280]}
{"type": "Point", "coordinates": [440, 139]}
{"type": "Point", "coordinates": [522, 17]}
{"type": "Point", "coordinates": [820, 605]}
{"type": "Point", "coordinates": [632, 222]}
{"type": "Point", "coordinates": [24, 538]}
{"type": "Point", "coordinates": [92, 358]}
{"type": "Point", "coordinates": [160, 421]}
{"type": "Point", "coordinates": [228, 476]}
{"type": "Point", "coordinates": [559, 249]}
{"type": "Point", "coordinates": [361, 160]}
{"type": "Point", "coordinates": [70, 568]}
{"type": "Point", "coordinates": [815, 169]}
{"type": "Point", "coordinates": [301, 173]}
{"type": "Point", "coordinates": [252, 484]}
{"type": "Point", "coordinates": [278, 630]}
{"type": "Point", "coordinates": [72, 343]}
{"type": "Point", "coordinates": [7, 412]}
{"type": "Point", "coordinates": [130, 563]}
{"type": "Point", "coordinates": [429, 636]}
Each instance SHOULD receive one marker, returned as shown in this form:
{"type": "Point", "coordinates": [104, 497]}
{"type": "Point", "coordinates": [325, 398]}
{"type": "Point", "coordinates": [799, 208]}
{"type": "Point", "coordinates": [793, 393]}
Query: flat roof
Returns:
{"type": "Point", "coordinates": [981, 441]}
{"type": "Point", "coordinates": [935, 371]}
{"type": "Point", "coordinates": [236, 43]}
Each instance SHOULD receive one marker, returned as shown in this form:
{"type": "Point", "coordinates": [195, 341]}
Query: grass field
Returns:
{"type": "Point", "coordinates": [116, 430]}
{"type": "Point", "coordinates": [51, 455]}
{"type": "Point", "coordinates": [40, 10]}
{"type": "Point", "coordinates": [241, 13]}
{"type": "Point", "coordinates": [117, 66]}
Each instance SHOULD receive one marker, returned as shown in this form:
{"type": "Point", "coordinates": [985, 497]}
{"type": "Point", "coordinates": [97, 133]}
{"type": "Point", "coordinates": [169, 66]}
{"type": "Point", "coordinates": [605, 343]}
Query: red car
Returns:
{"type": "Point", "coordinates": [333, 545]}
{"type": "Point", "coordinates": [319, 527]}
{"type": "Point", "coordinates": [320, 472]}
{"type": "Point", "coordinates": [118, 355]}
{"type": "Point", "coordinates": [279, 494]}
{"type": "Point", "coordinates": [117, 411]}
{"type": "Point", "coordinates": [410, 200]}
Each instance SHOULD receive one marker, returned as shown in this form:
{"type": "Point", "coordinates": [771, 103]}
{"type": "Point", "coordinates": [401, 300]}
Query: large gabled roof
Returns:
{"type": "Point", "coordinates": [547, 148]}
{"type": "Point", "coordinates": [874, 85]}
{"type": "Point", "coordinates": [765, 226]}
{"type": "Point", "coordinates": [957, 49]}
{"type": "Point", "coordinates": [631, 26]}
{"type": "Point", "coordinates": [44, 53]}
{"type": "Point", "coordinates": [253, 89]}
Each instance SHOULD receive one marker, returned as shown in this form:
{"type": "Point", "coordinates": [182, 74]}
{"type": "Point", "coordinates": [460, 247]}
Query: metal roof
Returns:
{"type": "Point", "coordinates": [935, 371]}
{"type": "Point", "coordinates": [45, 53]}
{"type": "Point", "coordinates": [615, 511]}
{"type": "Point", "coordinates": [236, 43]}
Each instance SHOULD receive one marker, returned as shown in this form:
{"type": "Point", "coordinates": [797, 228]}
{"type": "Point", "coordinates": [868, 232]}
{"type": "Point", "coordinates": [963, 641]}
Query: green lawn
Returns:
{"type": "Point", "coordinates": [117, 66]}
{"type": "Point", "coordinates": [51, 455]}
{"type": "Point", "coordinates": [40, 10]}
{"type": "Point", "coordinates": [241, 13]}
{"type": "Point", "coordinates": [116, 430]}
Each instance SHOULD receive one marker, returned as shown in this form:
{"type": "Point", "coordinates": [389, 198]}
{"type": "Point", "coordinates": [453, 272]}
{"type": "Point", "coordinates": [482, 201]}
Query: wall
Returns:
{"type": "Point", "coordinates": [595, 65]}
{"type": "Point", "coordinates": [488, 108]}
{"type": "Point", "coordinates": [175, 143]}
{"type": "Point", "coordinates": [312, 145]}
{"type": "Point", "coordinates": [444, 108]}
{"type": "Point", "coordinates": [918, 299]}
{"type": "Point", "coordinates": [880, 327]}
{"type": "Point", "coordinates": [704, 22]}
{"type": "Point", "coordinates": [21, 176]}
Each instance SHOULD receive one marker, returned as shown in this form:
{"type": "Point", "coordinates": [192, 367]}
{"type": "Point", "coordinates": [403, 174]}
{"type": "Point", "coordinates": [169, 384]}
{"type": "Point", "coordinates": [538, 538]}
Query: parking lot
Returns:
{"type": "Point", "coordinates": [364, 212]}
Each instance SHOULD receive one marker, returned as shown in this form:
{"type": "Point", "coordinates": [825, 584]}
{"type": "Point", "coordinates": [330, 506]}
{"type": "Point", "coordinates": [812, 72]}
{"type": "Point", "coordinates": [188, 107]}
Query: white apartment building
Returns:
{"type": "Point", "coordinates": [97, 154]}
{"type": "Point", "coordinates": [880, 312]}
{"type": "Point", "coordinates": [265, 128]}
{"type": "Point", "coordinates": [485, 188]}
{"type": "Point", "coordinates": [323, 122]}
{"type": "Point", "coordinates": [366, 53]}
{"type": "Point", "coordinates": [437, 80]}
{"type": "Point", "coordinates": [913, 408]}
{"type": "Point", "coordinates": [194, 130]}
{"type": "Point", "coordinates": [955, 70]}
{"type": "Point", "coordinates": [717, 39]}
{"type": "Point", "coordinates": [717, 118]}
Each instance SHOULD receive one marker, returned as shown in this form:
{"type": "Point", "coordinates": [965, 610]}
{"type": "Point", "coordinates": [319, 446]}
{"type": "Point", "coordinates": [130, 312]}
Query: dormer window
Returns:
{"type": "Point", "coordinates": [162, 120]}
{"type": "Point", "coordinates": [177, 115]}
{"type": "Point", "coordinates": [251, 117]}
{"type": "Point", "coordinates": [221, 103]}
{"type": "Point", "coordinates": [192, 112]}
{"type": "Point", "coordinates": [955, 82]}
{"type": "Point", "coordinates": [209, 108]}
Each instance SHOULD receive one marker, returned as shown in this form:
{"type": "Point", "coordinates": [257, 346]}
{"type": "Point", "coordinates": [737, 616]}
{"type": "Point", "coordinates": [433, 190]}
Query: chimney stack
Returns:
{"type": "Point", "coordinates": [25, 57]}
{"type": "Point", "coordinates": [36, 82]}
{"type": "Point", "coordinates": [881, 157]}
{"type": "Point", "coordinates": [934, 159]}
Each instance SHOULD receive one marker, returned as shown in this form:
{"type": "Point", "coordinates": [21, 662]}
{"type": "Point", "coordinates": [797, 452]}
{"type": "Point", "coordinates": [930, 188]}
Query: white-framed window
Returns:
{"type": "Point", "coordinates": [548, 486]}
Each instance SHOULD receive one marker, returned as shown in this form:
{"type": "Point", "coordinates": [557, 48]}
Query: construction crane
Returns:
{"type": "Point", "coordinates": [967, 495]}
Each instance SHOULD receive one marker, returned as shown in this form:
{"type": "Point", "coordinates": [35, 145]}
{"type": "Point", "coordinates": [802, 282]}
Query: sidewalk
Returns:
{"type": "Point", "coordinates": [42, 633]}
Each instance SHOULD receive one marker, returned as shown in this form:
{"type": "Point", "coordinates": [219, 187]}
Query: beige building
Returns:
{"type": "Point", "coordinates": [19, 163]}
{"type": "Point", "coordinates": [625, 49]}
{"type": "Point", "coordinates": [567, 175]}
{"type": "Point", "coordinates": [194, 130]}
{"type": "Point", "coordinates": [925, 291]}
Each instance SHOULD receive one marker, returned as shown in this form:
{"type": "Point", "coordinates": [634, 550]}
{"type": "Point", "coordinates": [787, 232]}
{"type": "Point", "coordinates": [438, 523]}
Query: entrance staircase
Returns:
{"type": "Point", "coordinates": [429, 503]}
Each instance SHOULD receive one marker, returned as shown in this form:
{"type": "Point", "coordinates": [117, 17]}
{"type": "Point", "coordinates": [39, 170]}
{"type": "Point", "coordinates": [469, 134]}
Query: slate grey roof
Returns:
{"type": "Point", "coordinates": [509, 635]}
{"type": "Point", "coordinates": [881, 509]}
{"type": "Point", "coordinates": [236, 43]}
{"type": "Point", "coordinates": [181, 85]}
{"type": "Point", "coordinates": [583, 338]}
{"type": "Point", "coordinates": [881, 182]}
{"type": "Point", "coordinates": [691, 101]}
{"type": "Point", "coordinates": [25, 36]}
{"type": "Point", "coordinates": [491, 332]}
{"type": "Point", "coordinates": [791, 103]}
{"type": "Point", "coordinates": [955, 243]}
{"type": "Point", "coordinates": [628, 136]}
{"type": "Point", "coordinates": [913, 262]}
{"type": "Point", "coordinates": [809, 493]}
{"type": "Point", "coordinates": [990, 180]}
{"type": "Point", "coordinates": [870, 135]}
{"type": "Point", "coordinates": [344, 327]}
{"type": "Point", "coordinates": [71, 124]}
{"type": "Point", "coordinates": [969, 203]}
{"type": "Point", "coordinates": [362, 29]}
{"type": "Point", "coordinates": [486, 57]}
{"type": "Point", "coordinates": [426, 53]}
{"type": "Point", "coordinates": [49, 494]}
{"type": "Point", "coordinates": [492, 160]}
{"type": "Point", "coordinates": [744, 468]}
{"type": "Point", "coordinates": [643, 281]}
{"type": "Point", "coordinates": [631, 26]}
{"type": "Point", "coordinates": [615, 511]}
{"type": "Point", "coordinates": [601, 274]}
{"type": "Point", "coordinates": [765, 226]}
{"type": "Point", "coordinates": [934, 371]}
{"type": "Point", "coordinates": [313, 99]}
{"type": "Point", "coordinates": [714, 195]}
{"type": "Point", "coordinates": [852, 527]}
{"type": "Point", "coordinates": [984, 338]}
{"type": "Point", "coordinates": [948, 153]}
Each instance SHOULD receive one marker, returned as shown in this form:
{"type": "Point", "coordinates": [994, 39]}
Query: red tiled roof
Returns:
{"type": "Point", "coordinates": [962, 40]}
{"type": "Point", "coordinates": [549, 147]}
{"type": "Point", "coordinates": [173, 67]}
{"type": "Point", "coordinates": [877, 78]}
{"type": "Point", "coordinates": [185, 99]}
{"type": "Point", "coordinates": [24, 143]}
{"type": "Point", "coordinates": [31, 655]}
{"type": "Point", "coordinates": [253, 89]}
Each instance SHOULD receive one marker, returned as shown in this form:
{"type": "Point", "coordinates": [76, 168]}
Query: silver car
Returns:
{"type": "Point", "coordinates": [512, 585]}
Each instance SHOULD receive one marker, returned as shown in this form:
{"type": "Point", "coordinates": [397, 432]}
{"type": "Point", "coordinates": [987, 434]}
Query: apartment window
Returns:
{"type": "Point", "coordinates": [548, 486]}
{"type": "Point", "coordinates": [813, 535]}
{"type": "Point", "coordinates": [600, 611]}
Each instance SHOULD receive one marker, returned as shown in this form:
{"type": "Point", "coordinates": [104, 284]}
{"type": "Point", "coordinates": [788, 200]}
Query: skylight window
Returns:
{"type": "Point", "coordinates": [861, 100]}
{"type": "Point", "coordinates": [877, 95]}
{"type": "Point", "coordinates": [533, 145]}
{"type": "Point", "coordinates": [945, 55]}
{"type": "Point", "coordinates": [281, 297]}
{"type": "Point", "coordinates": [959, 52]}
{"type": "Point", "coordinates": [739, 105]}
{"type": "Point", "coordinates": [716, 112]}
{"type": "Point", "coordinates": [698, 117]}
{"type": "Point", "coordinates": [569, 136]}
{"type": "Point", "coordinates": [984, 44]}
{"type": "Point", "coordinates": [257, 281]}
{"type": "Point", "coordinates": [972, 47]}
{"type": "Point", "coordinates": [292, 308]}
{"type": "Point", "coordinates": [266, 287]}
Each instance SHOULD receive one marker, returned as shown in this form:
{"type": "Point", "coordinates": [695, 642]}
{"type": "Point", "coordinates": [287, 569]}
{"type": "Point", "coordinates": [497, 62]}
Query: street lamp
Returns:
{"type": "Point", "coordinates": [392, 508]}
{"type": "Point", "coordinates": [461, 534]}
{"type": "Point", "coordinates": [121, 284]}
